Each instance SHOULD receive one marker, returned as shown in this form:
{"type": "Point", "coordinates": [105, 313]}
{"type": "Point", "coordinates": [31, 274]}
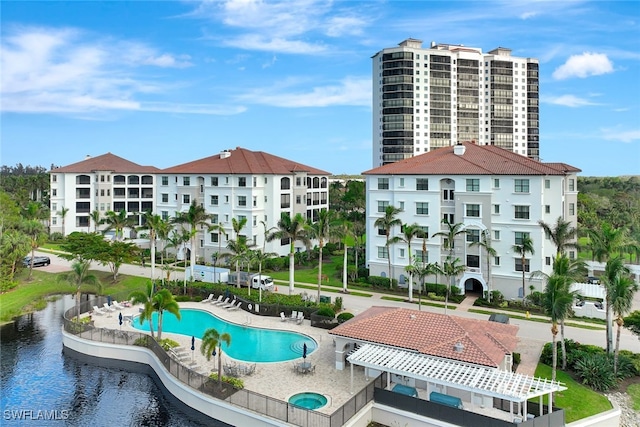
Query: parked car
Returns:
{"type": "Point", "coordinates": [38, 261]}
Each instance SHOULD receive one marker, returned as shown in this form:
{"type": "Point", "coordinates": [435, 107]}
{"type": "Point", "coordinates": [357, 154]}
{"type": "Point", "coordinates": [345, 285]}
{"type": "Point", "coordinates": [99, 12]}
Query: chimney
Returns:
{"type": "Point", "coordinates": [458, 347]}
{"type": "Point", "coordinates": [459, 149]}
{"type": "Point", "coordinates": [225, 153]}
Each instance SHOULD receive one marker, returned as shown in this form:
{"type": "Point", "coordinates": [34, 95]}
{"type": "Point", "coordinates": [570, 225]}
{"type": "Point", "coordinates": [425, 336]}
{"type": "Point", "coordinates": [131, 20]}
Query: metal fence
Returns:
{"type": "Point", "coordinates": [246, 399]}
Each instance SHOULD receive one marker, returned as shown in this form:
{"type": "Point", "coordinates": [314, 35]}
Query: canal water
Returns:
{"type": "Point", "coordinates": [41, 385]}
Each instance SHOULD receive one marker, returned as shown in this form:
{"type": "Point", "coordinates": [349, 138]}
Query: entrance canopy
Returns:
{"type": "Point", "coordinates": [477, 379]}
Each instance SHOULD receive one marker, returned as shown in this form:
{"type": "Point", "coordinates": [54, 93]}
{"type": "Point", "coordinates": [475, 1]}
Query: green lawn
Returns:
{"type": "Point", "coordinates": [634, 391]}
{"type": "Point", "coordinates": [577, 401]}
{"type": "Point", "coordinates": [537, 319]}
{"type": "Point", "coordinates": [32, 295]}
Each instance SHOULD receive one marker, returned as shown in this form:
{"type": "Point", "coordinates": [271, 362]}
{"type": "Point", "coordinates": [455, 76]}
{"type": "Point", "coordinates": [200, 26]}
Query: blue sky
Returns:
{"type": "Point", "coordinates": [163, 83]}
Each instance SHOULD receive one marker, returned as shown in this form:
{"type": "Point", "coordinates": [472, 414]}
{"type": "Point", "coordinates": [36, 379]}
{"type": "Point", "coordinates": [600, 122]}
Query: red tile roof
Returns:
{"type": "Point", "coordinates": [476, 160]}
{"type": "Point", "coordinates": [485, 343]}
{"type": "Point", "coordinates": [105, 162]}
{"type": "Point", "coordinates": [244, 161]}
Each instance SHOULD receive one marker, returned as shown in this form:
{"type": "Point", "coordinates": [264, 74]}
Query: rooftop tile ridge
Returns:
{"type": "Point", "coordinates": [499, 343]}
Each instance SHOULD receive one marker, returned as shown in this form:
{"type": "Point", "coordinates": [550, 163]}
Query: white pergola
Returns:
{"type": "Point", "coordinates": [476, 379]}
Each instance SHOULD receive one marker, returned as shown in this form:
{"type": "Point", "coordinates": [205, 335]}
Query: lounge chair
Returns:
{"type": "Point", "coordinates": [97, 310]}
{"type": "Point", "coordinates": [283, 318]}
{"type": "Point", "coordinates": [107, 307]}
{"type": "Point", "coordinates": [226, 301]}
{"type": "Point", "coordinates": [208, 299]}
{"type": "Point", "coordinates": [117, 305]}
{"type": "Point", "coordinates": [294, 315]}
{"type": "Point", "coordinates": [235, 307]}
{"type": "Point", "coordinates": [229, 304]}
{"type": "Point", "coordinates": [179, 354]}
{"type": "Point", "coordinates": [217, 301]}
{"type": "Point", "coordinates": [300, 318]}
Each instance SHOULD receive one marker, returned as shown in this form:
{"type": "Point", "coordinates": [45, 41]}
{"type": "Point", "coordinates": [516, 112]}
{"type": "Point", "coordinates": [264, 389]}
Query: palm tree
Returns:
{"type": "Point", "coordinates": [606, 240]}
{"type": "Point", "coordinates": [194, 217]}
{"type": "Point", "coordinates": [320, 230]}
{"type": "Point", "coordinates": [163, 301]}
{"type": "Point", "coordinates": [292, 229]}
{"type": "Point", "coordinates": [485, 243]}
{"type": "Point", "coordinates": [614, 271]}
{"type": "Point", "coordinates": [451, 268]}
{"type": "Point", "coordinates": [525, 247]}
{"type": "Point", "coordinates": [561, 234]}
{"type": "Point", "coordinates": [95, 216]}
{"type": "Point", "coordinates": [219, 229]}
{"type": "Point", "coordinates": [118, 222]}
{"type": "Point", "coordinates": [163, 230]}
{"type": "Point", "coordinates": [210, 340]}
{"type": "Point", "coordinates": [408, 233]}
{"type": "Point", "coordinates": [453, 231]}
{"type": "Point", "coordinates": [238, 250]}
{"type": "Point", "coordinates": [557, 302]}
{"type": "Point", "coordinates": [266, 234]}
{"type": "Point", "coordinates": [37, 236]}
{"type": "Point", "coordinates": [152, 223]}
{"type": "Point", "coordinates": [63, 213]}
{"type": "Point", "coordinates": [78, 276]}
{"type": "Point", "coordinates": [620, 291]}
{"type": "Point", "coordinates": [261, 257]}
{"type": "Point", "coordinates": [344, 230]}
{"type": "Point", "coordinates": [386, 223]}
{"type": "Point", "coordinates": [146, 299]}
{"type": "Point", "coordinates": [420, 270]}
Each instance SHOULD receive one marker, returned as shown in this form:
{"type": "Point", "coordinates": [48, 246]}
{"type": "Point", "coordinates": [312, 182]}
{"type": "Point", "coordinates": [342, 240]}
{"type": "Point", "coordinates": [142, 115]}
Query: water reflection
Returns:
{"type": "Point", "coordinates": [36, 376]}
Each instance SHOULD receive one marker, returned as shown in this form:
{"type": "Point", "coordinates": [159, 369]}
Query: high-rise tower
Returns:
{"type": "Point", "coordinates": [426, 98]}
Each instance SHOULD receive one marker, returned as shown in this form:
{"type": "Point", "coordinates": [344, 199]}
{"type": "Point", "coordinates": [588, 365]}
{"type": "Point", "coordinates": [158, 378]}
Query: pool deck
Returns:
{"type": "Point", "coordinates": [274, 379]}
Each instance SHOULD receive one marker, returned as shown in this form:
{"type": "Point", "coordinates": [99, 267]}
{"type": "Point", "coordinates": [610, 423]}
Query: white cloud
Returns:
{"type": "Point", "coordinates": [53, 70]}
{"type": "Point", "coordinates": [585, 65]}
{"type": "Point", "coordinates": [527, 15]}
{"type": "Point", "coordinates": [349, 91]}
{"type": "Point", "coordinates": [275, 44]}
{"type": "Point", "coordinates": [567, 101]}
{"type": "Point", "coordinates": [622, 136]}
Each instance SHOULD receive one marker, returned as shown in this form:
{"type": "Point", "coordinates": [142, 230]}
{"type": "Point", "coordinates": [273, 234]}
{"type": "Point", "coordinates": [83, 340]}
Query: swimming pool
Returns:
{"type": "Point", "coordinates": [248, 343]}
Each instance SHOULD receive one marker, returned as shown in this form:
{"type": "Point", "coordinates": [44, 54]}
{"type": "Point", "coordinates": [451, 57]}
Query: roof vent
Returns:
{"type": "Point", "coordinates": [225, 153]}
{"type": "Point", "coordinates": [413, 316]}
{"type": "Point", "coordinates": [459, 149]}
{"type": "Point", "coordinates": [458, 347]}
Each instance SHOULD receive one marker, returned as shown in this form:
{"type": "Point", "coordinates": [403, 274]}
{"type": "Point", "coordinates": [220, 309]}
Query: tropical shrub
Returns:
{"type": "Point", "coordinates": [167, 343]}
{"type": "Point", "coordinates": [143, 341]}
{"type": "Point", "coordinates": [56, 237]}
{"type": "Point", "coordinates": [235, 382]}
{"type": "Point", "coordinates": [326, 312]}
{"type": "Point", "coordinates": [596, 371]}
{"type": "Point", "coordinates": [381, 282]}
{"type": "Point", "coordinates": [337, 306]}
{"type": "Point", "coordinates": [343, 317]}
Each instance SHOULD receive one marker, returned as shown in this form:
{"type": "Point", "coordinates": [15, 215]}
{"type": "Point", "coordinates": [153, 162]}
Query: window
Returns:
{"type": "Point", "coordinates": [401, 206]}
{"type": "Point", "coordinates": [422, 208]}
{"type": "Point", "coordinates": [165, 180]}
{"type": "Point", "coordinates": [255, 223]}
{"type": "Point", "coordinates": [255, 181]}
{"type": "Point", "coordinates": [547, 209]}
{"type": "Point", "coordinates": [547, 183]}
{"type": "Point", "coordinates": [473, 210]}
{"type": "Point", "coordinates": [54, 207]}
{"type": "Point", "coordinates": [214, 181]}
{"type": "Point", "coordinates": [401, 182]}
{"type": "Point", "coordinates": [572, 255]}
{"type": "Point", "coordinates": [226, 180]}
{"type": "Point", "coordinates": [298, 181]}
{"type": "Point", "coordinates": [383, 252]}
{"type": "Point", "coordinates": [496, 260]}
{"type": "Point", "coordinates": [285, 201]}
{"type": "Point", "coordinates": [54, 192]}
{"type": "Point", "coordinates": [401, 252]}
{"type": "Point", "coordinates": [54, 178]}
{"type": "Point", "coordinates": [226, 199]}
{"type": "Point", "coordinates": [473, 184]}
{"type": "Point", "coordinates": [242, 201]}
{"type": "Point", "coordinates": [422, 256]}
{"type": "Point", "coordinates": [572, 209]}
{"type": "Point", "coordinates": [215, 237]}
{"type": "Point", "coordinates": [214, 218]}
{"type": "Point", "coordinates": [285, 184]}
{"type": "Point", "coordinates": [519, 236]}
{"type": "Point", "coordinates": [496, 183]}
{"type": "Point", "coordinates": [186, 199]}
{"type": "Point", "coordinates": [422, 184]}
{"type": "Point", "coordinates": [164, 215]}
{"type": "Point", "coordinates": [214, 200]}
{"type": "Point", "coordinates": [521, 186]}
{"type": "Point", "coordinates": [547, 260]}
{"type": "Point", "coordinates": [473, 236]}
{"type": "Point", "coordinates": [54, 221]}
{"type": "Point", "coordinates": [473, 261]}
{"type": "Point", "coordinates": [496, 234]}
{"type": "Point", "coordinates": [518, 262]}
{"type": "Point", "coordinates": [186, 180]}
{"type": "Point", "coordinates": [242, 181]}
{"type": "Point", "coordinates": [382, 205]}
{"type": "Point", "coordinates": [572, 184]}
{"type": "Point", "coordinates": [448, 218]}
{"type": "Point", "coordinates": [521, 212]}
{"type": "Point", "coordinates": [496, 209]}
{"type": "Point", "coordinates": [165, 197]}
{"type": "Point", "coordinates": [382, 232]}
{"type": "Point", "coordinates": [447, 195]}
{"type": "Point", "coordinates": [425, 230]}
{"type": "Point", "coordinates": [383, 183]}
{"type": "Point", "coordinates": [255, 201]}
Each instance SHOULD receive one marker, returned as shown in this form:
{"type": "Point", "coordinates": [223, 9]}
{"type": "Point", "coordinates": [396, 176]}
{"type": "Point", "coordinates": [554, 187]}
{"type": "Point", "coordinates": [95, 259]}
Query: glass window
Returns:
{"type": "Point", "coordinates": [422, 184]}
{"type": "Point", "coordinates": [164, 215]}
{"type": "Point", "coordinates": [572, 184]}
{"type": "Point", "coordinates": [422, 256]}
{"type": "Point", "coordinates": [473, 184]}
{"type": "Point", "coordinates": [496, 234]}
{"type": "Point", "coordinates": [383, 183]}
{"type": "Point", "coordinates": [186, 180]}
{"type": "Point", "coordinates": [382, 206]}
{"type": "Point", "coordinates": [214, 218]}
{"type": "Point", "coordinates": [547, 209]}
{"type": "Point", "coordinates": [521, 186]}
{"type": "Point", "coordinates": [285, 183]}
{"type": "Point", "coordinates": [401, 182]}
{"type": "Point", "coordinates": [572, 209]}
{"type": "Point", "coordinates": [214, 237]}
{"type": "Point", "coordinates": [496, 209]}
{"type": "Point", "coordinates": [519, 235]}
{"type": "Point", "coordinates": [242, 201]}
{"type": "Point", "coordinates": [214, 200]}
{"type": "Point", "coordinates": [383, 252]}
{"type": "Point", "coordinates": [496, 183]}
{"type": "Point", "coordinates": [473, 236]}
{"type": "Point", "coordinates": [521, 212]}
{"type": "Point", "coordinates": [186, 198]}
{"type": "Point", "coordinates": [473, 261]}
{"type": "Point", "coordinates": [214, 181]}
{"type": "Point", "coordinates": [447, 195]}
{"type": "Point", "coordinates": [547, 183]}
{"type": "Point", "coordinates": [518, 264]}
{"type": "Point", "coordinates": [496, 260]}
{"type": "Point", "coordinates": [422, 208]}
{"type": "Point", "coordinates": [242, 181]}
{"type": "Point", "coordinates": [165, 197]}
{"type": "Point", "coordinates": [473, 210]}
{"type": "Point", "coordinates": [165, 180]}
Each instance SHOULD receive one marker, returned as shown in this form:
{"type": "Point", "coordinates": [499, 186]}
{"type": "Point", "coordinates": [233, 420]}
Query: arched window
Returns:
{"type": "Point", "coordinates": [285, 183]}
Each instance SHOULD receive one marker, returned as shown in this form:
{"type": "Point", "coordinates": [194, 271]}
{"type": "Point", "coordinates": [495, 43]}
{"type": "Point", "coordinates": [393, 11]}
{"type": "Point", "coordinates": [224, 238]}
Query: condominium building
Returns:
{"type": "Point", "coordinates": [236, 183]}
{"type": "Point", "coordinates": [103, 183]}
{"type": "Point", "coordinates": [430, 97]}
{"type": "Point", "coordinates": [492, 192]}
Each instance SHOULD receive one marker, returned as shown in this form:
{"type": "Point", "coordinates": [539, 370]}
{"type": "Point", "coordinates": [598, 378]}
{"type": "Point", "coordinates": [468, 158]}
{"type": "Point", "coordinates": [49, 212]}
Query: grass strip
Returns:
{"type": "Point", "coordinates": [634, 392]}
{"type": "Point", "coordinates": [537, 319]}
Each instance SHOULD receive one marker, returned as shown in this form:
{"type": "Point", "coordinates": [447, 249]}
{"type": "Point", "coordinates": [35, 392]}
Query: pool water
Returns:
{"type": "Point", "coordinates": [308, 400]}
{"type": "Point", "coordinates": [248, 343]}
